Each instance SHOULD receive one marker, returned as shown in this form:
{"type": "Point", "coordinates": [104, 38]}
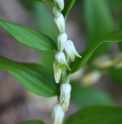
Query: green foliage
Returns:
{"type": "Point", "coordinates": [98, 19]}
{"type": "Point", "coordinates": [48, 2]}
{"type": "Point", "coordinates": [98, 23]}
{"type": "Point", "coordinates": [116, 74]}
{"type": "Point", "coordinates": [97, 115]}
{"type": "Point", "coordinates": [88, 96]}
{"type": "Point", "coordinates": [44, 19]}
{"type": "Point", "coordinates": [114, 36]}
{"type": "Point", "coordinates": [28, 36]}
{"type": "Point", "coordinates": [33, 76]}
{"type": "Point", "coordinates": [120, 27]}
{"type": "Point", "coordinates": [68, 6]}
{"type": "Point", "coordinates": [120, 46]}
{"type": "Point", "coordinates": [31, 122]}
{"type": "Point", "coordinates": [47, 27]}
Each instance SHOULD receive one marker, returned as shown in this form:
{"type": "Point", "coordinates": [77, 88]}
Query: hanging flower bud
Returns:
{"type": "Point", "coordinates": [71, 51]}
{"type": "Point", "coordinates": [60, 4]}
{"type": "Point", "coordinates": [57, 114]}
{"type": "Point", "coordinates": [62, 38]}
{"type": "Point", "coordinates": [65, 95]}
{"type": "Point", "coordinates": [59, 64]}
{"type": "Point", "coordinates": [56, 12]}
{"type": "Point", "coordinates": [61, 60]}
{"type": "Point", "coordinates": [60, 22]}
{"type": "Point", "coordinates": [103, 62]}
{"type": "Point", "coordinates": [91, 78]}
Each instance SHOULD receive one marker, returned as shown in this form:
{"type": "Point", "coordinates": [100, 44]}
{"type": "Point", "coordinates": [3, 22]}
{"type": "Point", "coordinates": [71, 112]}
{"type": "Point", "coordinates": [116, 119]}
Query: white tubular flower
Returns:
{"type": "Point", "coordinates": [60, 4]}
{"type": "Point", "coordinates": [60, 23]}
{"type": "Point", "coordinates": [71, 51]}
{"type": "Point", "coordinates": [58, 114]}
{"type": "Point", "coordinates": [65, 95]}
{"type": "Point", "coordinates": [56, 12]}
{"type": "Point", "coordinates": [57, 73]}
{"type": "Point", "coordinates": [59, 64]}
{"type": "Point", "coordinates": [62, 38]}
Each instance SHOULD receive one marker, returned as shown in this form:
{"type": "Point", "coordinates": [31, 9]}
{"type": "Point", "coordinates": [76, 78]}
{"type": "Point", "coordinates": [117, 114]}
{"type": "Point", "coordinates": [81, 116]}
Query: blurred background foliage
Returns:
{"type": "Point", "coordinates": [94, 19]}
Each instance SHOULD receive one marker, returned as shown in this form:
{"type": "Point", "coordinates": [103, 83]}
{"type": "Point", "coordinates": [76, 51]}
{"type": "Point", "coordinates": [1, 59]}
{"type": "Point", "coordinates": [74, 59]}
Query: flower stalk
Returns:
{"type": "Point", "coordinates": [60, 63]}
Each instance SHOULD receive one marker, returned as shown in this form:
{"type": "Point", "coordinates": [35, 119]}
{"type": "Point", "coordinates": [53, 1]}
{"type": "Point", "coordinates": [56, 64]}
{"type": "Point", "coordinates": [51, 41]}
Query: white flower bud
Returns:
{"type": "Point", "coordinates": [60, 23]}
{"type": "Point", "coordinates": [56, 12]}
{"type": "Point", "coordinates": [65, 95]}
{"type": "Point", "coordinates": [60, 57]}
{"type": "Point", "coordinates": [59, 64]}
{"type": "Point", "coordinates": [70, 50]}
{"type": "Point", "coordinates": [104, 62]}
{"type": "Point", "coordinates": [62, 38]}
{"type": "Point", "coordinates": [60, 4]}
{"type": "Point", "coordinates": [91, 78]}
{"type": "Point", "coordinates": [57, 114]}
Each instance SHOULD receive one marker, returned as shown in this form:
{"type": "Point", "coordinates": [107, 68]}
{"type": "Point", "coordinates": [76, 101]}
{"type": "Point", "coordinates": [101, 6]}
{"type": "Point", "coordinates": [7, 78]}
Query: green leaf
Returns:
{"type": "Point", "coordinates": [88, 96]}
{"type": "Point", "coordinates": [44, 24]}
{"type": "Point", "coordinates": [120, 26]}
{"type": "Point", "coordinates": [120, 46]}
{"type": "Point", "coordinates": [68, 7]}
{"type": "Point", "coordinates": [38, 10]}
{"type": "Point", "coordinates": [33, 76]}
{"type": "Point", "coordinates": [98, 19]}
{"type": "Point", "coordinates": [99, 22]}
{"type": "Point", "coordinates": [48, 2]}
{"type": "Point", "coordinates": [28, 36]}
{"type": "Point", "coordinates": [97, 115]}
{"type": "Point", "coordinates": [114, 36]}
{"type": "Point", "coordinates": [31, 122]}
{"type": "Point", "coordinates": [116, 74]}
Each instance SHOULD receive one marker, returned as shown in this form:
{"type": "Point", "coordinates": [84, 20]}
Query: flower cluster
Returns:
{"type": "Point", "coordinates": [63, 43]}
{"type": "Point", "coordinates": [66, 51]}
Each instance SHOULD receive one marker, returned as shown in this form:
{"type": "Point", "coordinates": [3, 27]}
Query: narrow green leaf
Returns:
{"type": "Point", "coordinates": [44, 24]}
{"type": "Point", "coordinates": [28, 36]}
{"type": "Point", "coordinates": [48, 2]}
{"type": "Point", "coordinates": [97, 115]}
{"type": "Point", "coordinates": [120, 27]}
{"type": "Point", "coordinates": [33, 76]}
{"type": "Point", "coordinates": [115, 36]}
{"type": "Point", "coordinates": [88, 96]}
{"type": "Point", "coordinates": [31, 122]}
{"type": "Point", "coordinates": [120, 46]}
{"type": "Point", "coordinates": [68, 7]}
{"type": "Point", "coordinates": [116, 74]}
{"type": "Point", "coordinates": [38, 10]}
{"type": "Point", "coordinates": [99, 22]}
{"type": "Point", "coordinates": [98, 19]}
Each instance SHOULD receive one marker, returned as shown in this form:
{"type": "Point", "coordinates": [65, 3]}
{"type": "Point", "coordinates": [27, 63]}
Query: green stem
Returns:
{"type": "Point", "coordinates": [68, 7]}
{"type": "Point", "coordinates": [64, 77]}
